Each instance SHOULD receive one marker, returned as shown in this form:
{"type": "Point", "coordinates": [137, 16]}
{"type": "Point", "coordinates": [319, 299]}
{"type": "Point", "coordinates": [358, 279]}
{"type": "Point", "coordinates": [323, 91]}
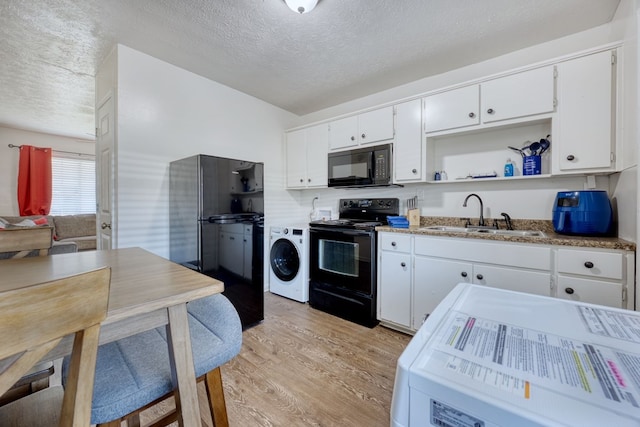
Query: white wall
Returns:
{"type": "Point", "coordinates": [9, 159]}
{"type": "Point", "coordinates": [167, 113]}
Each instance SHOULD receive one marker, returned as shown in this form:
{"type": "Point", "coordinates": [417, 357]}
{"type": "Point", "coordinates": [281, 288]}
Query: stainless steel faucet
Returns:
{"type": "Point", "coordinates": [464, 205]}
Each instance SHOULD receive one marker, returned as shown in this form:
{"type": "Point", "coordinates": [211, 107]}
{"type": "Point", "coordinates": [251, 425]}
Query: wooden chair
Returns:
{"type": "Point", "coordinates": [20, 242]}
{"type": "Point", "coordinates": [33, 320]}
{"type": "Point", "coordinates": [134, 373]}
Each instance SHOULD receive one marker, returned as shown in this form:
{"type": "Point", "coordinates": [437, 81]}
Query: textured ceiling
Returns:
{"type": "Point", "coordinates": [342, 50]}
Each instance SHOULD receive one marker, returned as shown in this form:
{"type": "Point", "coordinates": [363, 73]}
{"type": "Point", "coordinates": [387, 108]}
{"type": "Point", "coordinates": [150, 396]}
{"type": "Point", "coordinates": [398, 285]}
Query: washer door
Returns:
{"type": "Point", "coordinates": [285, 260]}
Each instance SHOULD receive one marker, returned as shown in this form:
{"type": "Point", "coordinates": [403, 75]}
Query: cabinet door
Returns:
{"type": "Point", "coordinates": [518, 95]}
{"type": "Point", "coordinates": [584, 136]}
{"type": "Point", "coordinates": [513, 279]}
{"type": "Point", "coordinates": [394, 289]}
{"type": "Point", "coordinates": [452, 109]}
{"type": "Point", "coordinates": [407, 147]}
{"type": "Point", "coordinates": [343, 132]}
{"type": "Point", "coordinates": [316, 157]}
{"type": "Point", "coordinates": [296, 159]}
{"type": "Point", "coordinates": [376, 125]}
{"type": "Point", "coordinates": [591, 291]}
{"type": "Point", "coordinates": [433, 279]}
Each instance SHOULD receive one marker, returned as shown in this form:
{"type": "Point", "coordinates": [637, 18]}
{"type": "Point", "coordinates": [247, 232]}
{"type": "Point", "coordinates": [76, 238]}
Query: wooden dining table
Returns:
{"type": "Point", "coordinates": [146, 291]}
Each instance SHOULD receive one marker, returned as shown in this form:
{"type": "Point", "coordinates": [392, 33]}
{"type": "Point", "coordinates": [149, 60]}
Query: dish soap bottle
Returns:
{"type": "Point", "coordinates": [508, 168]}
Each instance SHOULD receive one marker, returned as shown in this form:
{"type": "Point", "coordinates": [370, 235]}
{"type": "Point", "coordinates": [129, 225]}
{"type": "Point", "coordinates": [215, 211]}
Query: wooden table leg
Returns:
{"type": "Point", "coordinates": [182, 370]}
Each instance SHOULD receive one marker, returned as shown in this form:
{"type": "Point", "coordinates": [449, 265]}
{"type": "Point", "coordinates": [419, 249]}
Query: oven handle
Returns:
{"type": "Point", "coordinates": [348, 232]}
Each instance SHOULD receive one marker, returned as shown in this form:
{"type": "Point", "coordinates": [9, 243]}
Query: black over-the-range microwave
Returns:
{"type": "Point", "coordinates": [364, 167]}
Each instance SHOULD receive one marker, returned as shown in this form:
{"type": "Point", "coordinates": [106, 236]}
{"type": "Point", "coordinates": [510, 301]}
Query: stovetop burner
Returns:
{"type": "Point", "coordinates": [361, 214]}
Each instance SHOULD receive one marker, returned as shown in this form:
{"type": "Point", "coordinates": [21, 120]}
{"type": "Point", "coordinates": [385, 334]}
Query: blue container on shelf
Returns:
{"type": "Point", "coordinates": [531, 165]}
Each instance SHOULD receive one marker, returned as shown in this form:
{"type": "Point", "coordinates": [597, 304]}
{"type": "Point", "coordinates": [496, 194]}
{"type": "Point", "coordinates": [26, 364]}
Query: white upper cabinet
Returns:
{"type": "Point", "coordinates": [365, 128]}
{"type": "Point", "coordinates": [514, 96]}
{"type": "Point", "coordinates": [408, 144]}
{"type": "Point", "coordinates": [307, 157]}
{"type": "Point", "coordinates": [452, 109]}
{"type": "Point", "coordinates": [518, 95]}
{"type": "Point", "coordinates": [583, 138]}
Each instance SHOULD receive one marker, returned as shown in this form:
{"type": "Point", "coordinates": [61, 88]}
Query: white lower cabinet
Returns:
{"type": "Point", "coordinates": [434, 278]}
{"type": "Point", "coordinates": [596, 276]}
{"type": "Point", "coordinates": [416, 272]}
{"type": "Point", "coordinates": [395, 273]}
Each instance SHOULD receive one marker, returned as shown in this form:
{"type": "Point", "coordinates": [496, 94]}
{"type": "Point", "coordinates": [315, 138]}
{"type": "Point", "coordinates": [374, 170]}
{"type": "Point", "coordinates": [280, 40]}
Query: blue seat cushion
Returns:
{"type": "Point", "coordinates": [135, 371]}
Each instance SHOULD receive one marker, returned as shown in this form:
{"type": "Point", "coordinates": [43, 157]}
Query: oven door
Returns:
{"type": "Point", "coordinates": [343, 259]}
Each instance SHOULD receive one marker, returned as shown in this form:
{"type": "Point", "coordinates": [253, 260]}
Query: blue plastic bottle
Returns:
{"type": "Point", "coordinates": [508, 168]}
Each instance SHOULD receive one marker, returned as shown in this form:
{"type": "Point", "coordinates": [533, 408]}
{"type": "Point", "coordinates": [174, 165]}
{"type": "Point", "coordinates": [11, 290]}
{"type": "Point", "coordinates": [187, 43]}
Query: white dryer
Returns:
{"type": "Point", "coordinates": [289, 262]}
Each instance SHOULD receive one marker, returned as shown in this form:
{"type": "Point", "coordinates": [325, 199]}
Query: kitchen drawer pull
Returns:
{"type": "Point", "coordinates": [490, 111]}
{"type": "Point", "coordinates": [571, 157]}
{"type": "Point", "coordinates": [569, 290]}
{"type": "Point", "coordinates": [393, 244]}
{"type": "Point", "coordinates": [472, 115]}
{"type": "Point", "coordinates": [588, 264]}
{"type": "Point", "coordinates": [479, 276]}
{"type": "Point", "coordinates": [403, 264]}
{"type": "Point", "coordinates": [463, 274]}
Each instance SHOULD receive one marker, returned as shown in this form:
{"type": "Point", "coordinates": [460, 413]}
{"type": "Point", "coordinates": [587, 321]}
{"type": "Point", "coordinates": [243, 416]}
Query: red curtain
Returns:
{"type": "Point", "coordinates": [34, 180]}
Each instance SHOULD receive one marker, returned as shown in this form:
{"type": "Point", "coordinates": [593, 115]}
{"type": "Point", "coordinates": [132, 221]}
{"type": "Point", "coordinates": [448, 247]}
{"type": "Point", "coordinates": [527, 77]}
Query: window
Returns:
{"type": "Point", "coordinates": [74, 183]}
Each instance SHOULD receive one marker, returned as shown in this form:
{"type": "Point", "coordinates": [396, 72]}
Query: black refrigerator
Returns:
{"type": "Point", "coordinates": [216, 210]}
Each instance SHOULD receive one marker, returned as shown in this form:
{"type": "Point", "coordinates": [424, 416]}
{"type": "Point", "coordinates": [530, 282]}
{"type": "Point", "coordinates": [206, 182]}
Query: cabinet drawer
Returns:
{"type": "Point", "coordinates": [591, 291]}
{"type": "Point", "coordinates": [501, 253]}
{"type": "Point", "coordinates": [395, 242]}
{"type": "Point", "coordinates": [607, 265]}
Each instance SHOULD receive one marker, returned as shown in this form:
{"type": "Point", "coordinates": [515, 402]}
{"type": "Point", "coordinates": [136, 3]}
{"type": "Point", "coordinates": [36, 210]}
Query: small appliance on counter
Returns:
{"type": "Point", "coordinates": [583, 213]}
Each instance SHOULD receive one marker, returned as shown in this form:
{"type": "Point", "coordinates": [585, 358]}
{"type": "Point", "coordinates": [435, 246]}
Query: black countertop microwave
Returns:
{"type": "Point", "coordinates": [364, 167]}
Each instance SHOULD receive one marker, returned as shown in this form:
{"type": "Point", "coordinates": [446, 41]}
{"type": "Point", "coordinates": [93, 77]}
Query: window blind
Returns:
{"type": "Point", "coordinates": [73, 184]}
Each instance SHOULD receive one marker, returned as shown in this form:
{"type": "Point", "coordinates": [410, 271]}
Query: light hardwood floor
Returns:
{"type": "Point", "coordinates": [303, 367]}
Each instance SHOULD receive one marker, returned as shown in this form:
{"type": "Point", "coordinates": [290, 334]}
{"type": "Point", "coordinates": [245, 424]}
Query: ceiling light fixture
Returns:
{"type": "Point", "coordinates": [301, 6]}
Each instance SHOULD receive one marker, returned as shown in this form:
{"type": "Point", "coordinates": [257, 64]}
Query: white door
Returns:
{"type": "Point", "coordinates": [105, 147]}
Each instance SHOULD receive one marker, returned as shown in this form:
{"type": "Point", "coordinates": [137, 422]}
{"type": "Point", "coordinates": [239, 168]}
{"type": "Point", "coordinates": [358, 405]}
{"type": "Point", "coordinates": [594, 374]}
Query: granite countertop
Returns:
{"type": "Point", "coordinates": [551, 237]}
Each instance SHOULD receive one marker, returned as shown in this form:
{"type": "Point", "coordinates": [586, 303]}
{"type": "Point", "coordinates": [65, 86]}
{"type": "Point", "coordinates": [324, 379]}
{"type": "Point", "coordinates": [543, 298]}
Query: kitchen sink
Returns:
{"type": "Point", "coordinates": [450, 229]}
{"type": "Point", "coordinates": [493, 231]}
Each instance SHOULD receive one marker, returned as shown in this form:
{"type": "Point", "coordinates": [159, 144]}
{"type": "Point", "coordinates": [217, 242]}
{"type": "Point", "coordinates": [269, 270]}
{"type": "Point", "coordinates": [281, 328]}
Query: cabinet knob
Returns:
{"type": "Point", "coordinates": [588, 264]}
{"type": "Point", "coordinates": [301, 180]}
{"type": "Point", "coordinates": [463, 274]}
{"type": "Point", "coordinates": [571, 157]}
{"type": "Point", "coordinates": [363, 136]}
{"type": "Point", "coordinates": [414, 170]}
{"type": "Point", "coordinates": [403, 264]}
{"type": "Point", "coordinates": [569, 290]}
{"type": "Point", "coordinates": [490, 111]}
{"type": "Point", "coordinates": [353, 138]}
{"type": "Point", "coordinates": [309, 180]}
{"type": "Point", "coordinates": [479, 276]}
{"type": "Point", "coordinates": [472, 114]}
{"type": "Point", "coordinates": [393, 244]}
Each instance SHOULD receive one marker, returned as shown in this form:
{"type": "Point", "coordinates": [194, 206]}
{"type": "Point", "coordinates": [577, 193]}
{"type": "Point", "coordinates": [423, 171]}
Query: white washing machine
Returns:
{"type": "Point", "coordinates": [289, 262]}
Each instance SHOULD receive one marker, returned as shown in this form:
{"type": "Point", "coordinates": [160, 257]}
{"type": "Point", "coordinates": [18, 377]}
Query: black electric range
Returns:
{"type": "Point", "coordinates": [342, 267]}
